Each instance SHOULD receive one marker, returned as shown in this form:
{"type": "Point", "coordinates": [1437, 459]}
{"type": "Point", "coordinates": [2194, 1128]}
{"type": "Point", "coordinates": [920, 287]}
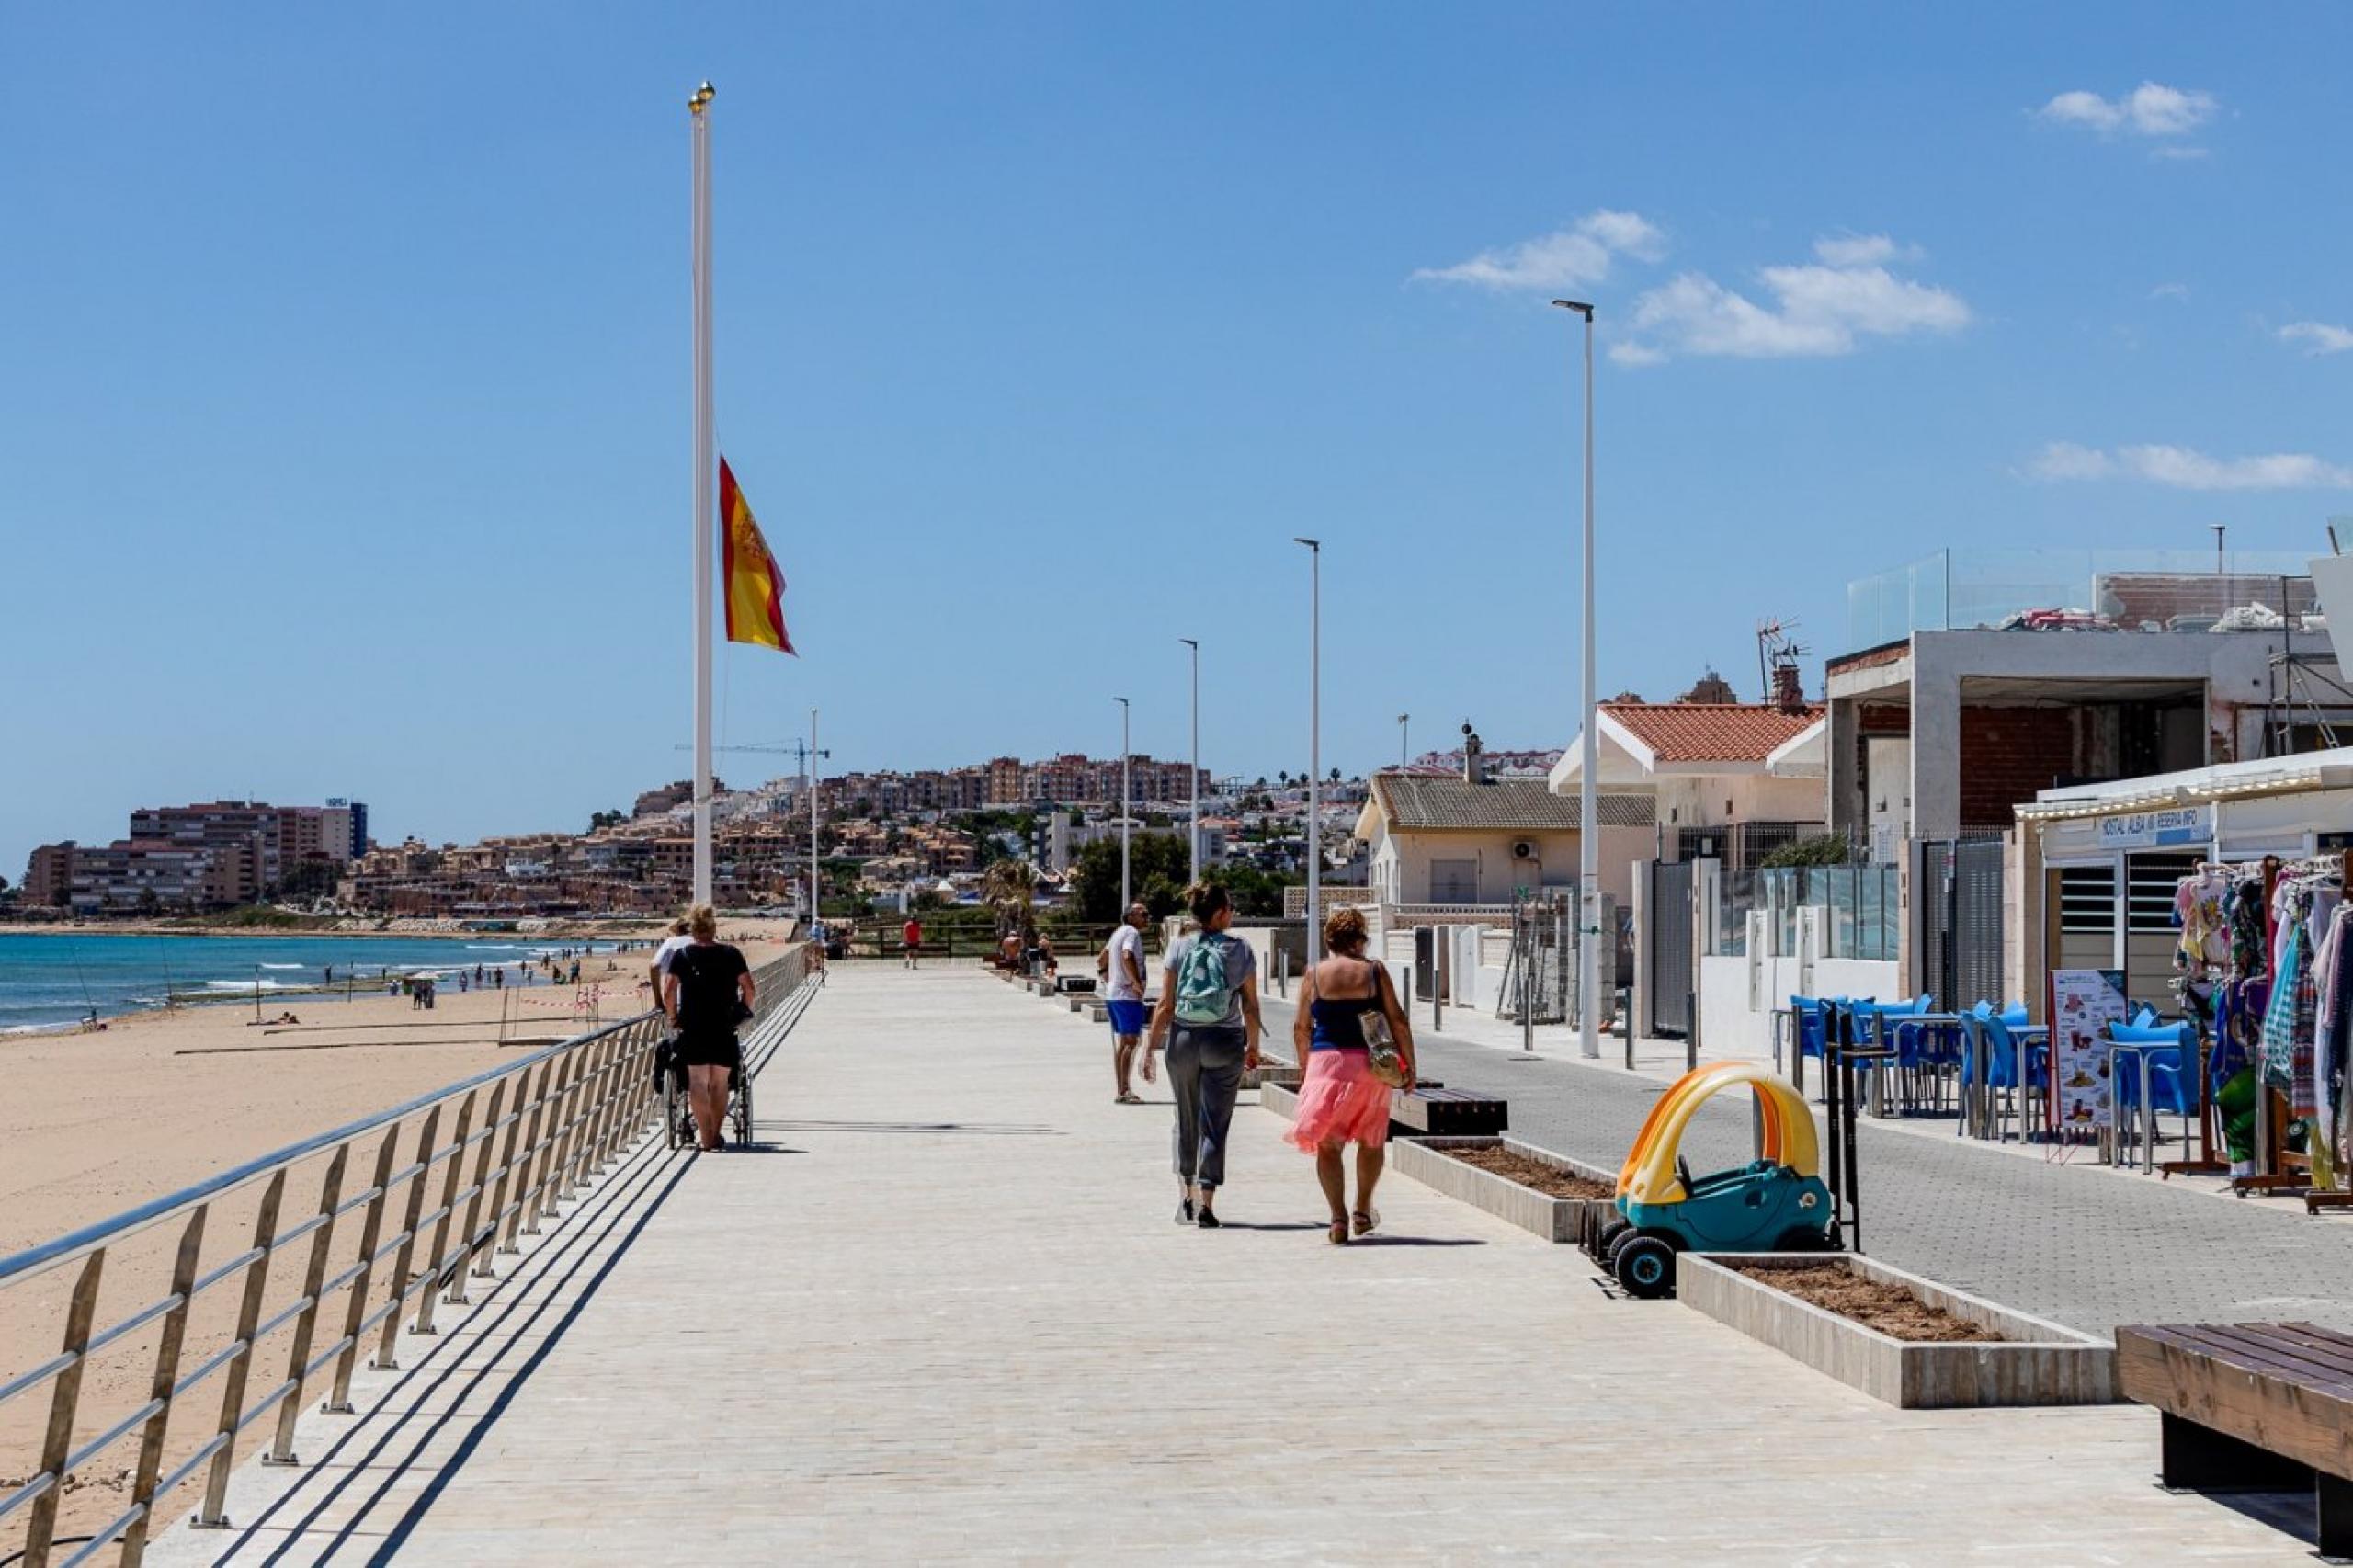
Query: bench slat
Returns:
{"type": "Point", "coordinates": [2331, 1357]}
{"type": "Point", "coordinates": [2258, 1351]}
{"type": "Point", "coordinates": [2239, 1389]}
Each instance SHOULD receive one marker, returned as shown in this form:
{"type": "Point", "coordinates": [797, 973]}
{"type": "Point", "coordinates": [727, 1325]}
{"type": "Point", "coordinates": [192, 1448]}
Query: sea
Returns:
{"type": "Point", "coordinates": [54, 979]}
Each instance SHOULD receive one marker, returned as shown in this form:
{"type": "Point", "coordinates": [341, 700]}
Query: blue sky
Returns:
{"type": "Point", "coordinates": [345, 375]}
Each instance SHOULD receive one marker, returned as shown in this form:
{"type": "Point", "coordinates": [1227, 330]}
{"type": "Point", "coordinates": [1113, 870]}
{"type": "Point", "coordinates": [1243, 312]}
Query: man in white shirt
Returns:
{"type": "Point", "coordinates": [1121, 965]}
{"type": "Point", "coordinates": [661, 967]}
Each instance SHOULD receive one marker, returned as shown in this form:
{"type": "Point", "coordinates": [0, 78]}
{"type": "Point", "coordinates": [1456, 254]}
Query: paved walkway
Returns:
{"type": "Point", "coordinates": [945, 1316]}
{"type": "Point", "coordinates": [2076, 1242]}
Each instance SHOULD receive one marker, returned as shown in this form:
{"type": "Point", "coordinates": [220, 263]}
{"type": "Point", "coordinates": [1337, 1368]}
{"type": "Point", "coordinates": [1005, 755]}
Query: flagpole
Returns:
{"type": "Point", "coordinates": [706, 465]}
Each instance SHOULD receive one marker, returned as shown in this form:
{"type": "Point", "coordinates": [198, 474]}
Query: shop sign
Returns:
{"type": "Point", "coordinates": [2151, 830]}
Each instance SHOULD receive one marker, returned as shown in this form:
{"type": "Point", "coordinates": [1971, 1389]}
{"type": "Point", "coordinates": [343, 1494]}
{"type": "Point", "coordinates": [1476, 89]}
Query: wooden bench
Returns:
{"type": "Point", "coordinates": [2251, 1407]}
{"type": "Point", "coordinates": [1433, 1111]}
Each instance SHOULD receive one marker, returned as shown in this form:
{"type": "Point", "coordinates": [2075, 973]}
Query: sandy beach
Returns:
{"type": "Point", "coordinates": [95, 1124]}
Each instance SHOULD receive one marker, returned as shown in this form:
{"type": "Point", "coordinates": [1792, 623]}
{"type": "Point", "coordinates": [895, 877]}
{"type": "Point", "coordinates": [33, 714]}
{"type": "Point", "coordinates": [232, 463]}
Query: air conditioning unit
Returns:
{"type": "Point", "coordinates": [1523, 849]}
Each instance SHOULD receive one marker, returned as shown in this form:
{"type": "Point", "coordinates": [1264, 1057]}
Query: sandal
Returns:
{"type": "Point", "coordinates": [1339, 1236]}
{"type": "Point", "coordinates": [1366, 1220]}
{"type": "Point", "coordinates": [1127, 1096]}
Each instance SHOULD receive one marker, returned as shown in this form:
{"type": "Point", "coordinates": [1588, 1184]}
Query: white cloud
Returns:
{"type": "Point", "coordinates": [2170, 291]}
{"type": "Point", "coordinates": [1815, 310]}
{"type": "Point", "coordinates": [2180, 154]}
{"type": "Point", "coordinates": [2322, 337]}
{"type": "Point", "coordinates": [1569, 257]}
{"type": "Point", "coordinates": [2149, 109]}
{"type": "Point", "coordinates": [2182, 468]}
{"type": "Point", "coordinates": [1862, 250]}
{"type": "Point", "coordinates": [1635, 355]}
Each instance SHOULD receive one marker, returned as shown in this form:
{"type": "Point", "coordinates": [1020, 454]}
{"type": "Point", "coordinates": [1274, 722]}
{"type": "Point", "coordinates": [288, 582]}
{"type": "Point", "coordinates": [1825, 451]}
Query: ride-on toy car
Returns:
{"type": "Point", "coordinates": [1777, 1202]}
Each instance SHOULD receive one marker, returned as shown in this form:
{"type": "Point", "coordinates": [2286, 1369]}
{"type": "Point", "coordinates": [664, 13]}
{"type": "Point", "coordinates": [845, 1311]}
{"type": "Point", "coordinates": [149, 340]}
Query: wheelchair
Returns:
{"type": "Point", "coordinates": [678, 1109]}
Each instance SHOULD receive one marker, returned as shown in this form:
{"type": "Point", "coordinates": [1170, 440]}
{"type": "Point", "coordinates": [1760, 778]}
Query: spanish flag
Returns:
{"type": "Point", "coordinates": [755, 584]}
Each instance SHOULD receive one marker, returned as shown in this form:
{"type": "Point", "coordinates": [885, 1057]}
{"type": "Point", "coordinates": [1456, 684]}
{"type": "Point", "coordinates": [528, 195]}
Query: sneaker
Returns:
{"type": "Point", "coordinates": [1208, 1220]}
{"type": "Point", "coordinates": [1185, 1211]}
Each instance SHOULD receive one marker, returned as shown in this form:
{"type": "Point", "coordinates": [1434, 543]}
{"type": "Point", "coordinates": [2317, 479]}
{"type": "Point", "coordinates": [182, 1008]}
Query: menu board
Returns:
{"type": "Point", "coordinates": [2083, 1002]}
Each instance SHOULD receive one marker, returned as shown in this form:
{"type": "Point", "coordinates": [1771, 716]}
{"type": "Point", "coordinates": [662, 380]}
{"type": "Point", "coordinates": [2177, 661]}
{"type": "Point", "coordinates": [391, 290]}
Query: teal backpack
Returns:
{"type": "Point", "coordinates": [1201, 991]}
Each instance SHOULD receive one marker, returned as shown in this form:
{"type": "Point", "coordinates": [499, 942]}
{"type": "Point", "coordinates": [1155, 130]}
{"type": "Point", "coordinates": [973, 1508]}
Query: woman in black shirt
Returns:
{"type": "Point", "coordinates": [707, 989]}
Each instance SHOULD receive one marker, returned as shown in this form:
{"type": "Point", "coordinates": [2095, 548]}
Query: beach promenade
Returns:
{"type": "Point", "coordinates": [942, 1313]}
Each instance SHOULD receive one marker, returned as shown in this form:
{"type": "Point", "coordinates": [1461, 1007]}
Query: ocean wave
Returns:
{"type": "Point", "coordinates": [281, 966]}
{"type": "Point", "coordinates": [233, 986]}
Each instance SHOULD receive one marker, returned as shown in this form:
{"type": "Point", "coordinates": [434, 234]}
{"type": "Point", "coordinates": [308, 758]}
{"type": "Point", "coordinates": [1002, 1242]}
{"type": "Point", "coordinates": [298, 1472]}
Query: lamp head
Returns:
{"type": "Point", "coordinates": [701, 98]}
{"type": "Point", "coordinates": [1577, 305]}
{"type": "Point", "coordinates": [1314, 544]}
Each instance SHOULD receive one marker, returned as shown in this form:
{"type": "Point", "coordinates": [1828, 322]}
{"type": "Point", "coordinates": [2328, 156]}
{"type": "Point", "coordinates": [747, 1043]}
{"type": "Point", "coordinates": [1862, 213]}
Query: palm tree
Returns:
{"type": "Point", "coordinates": [1011, 889]}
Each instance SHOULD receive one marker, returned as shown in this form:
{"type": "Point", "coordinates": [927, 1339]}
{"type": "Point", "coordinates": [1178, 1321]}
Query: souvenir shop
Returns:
{"type": "Point", "coordinates": [2215, 895]}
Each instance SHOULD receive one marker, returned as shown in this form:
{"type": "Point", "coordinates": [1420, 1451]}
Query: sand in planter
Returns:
{"type": "Point", "coordinates": [1890, 1308]}
{"type": "Point", "coordinates": [1550, 1180]}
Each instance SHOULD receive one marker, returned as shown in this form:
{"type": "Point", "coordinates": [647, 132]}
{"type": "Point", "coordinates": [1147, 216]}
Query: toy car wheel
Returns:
{"type": "Point", "coordinates": [1645, 1267]}
{"type": "Point", "coordinates": [1618, 1239]}
{"type": "Point", "coordinates": [677, 1121]}
{"type": "Point", "coordinates": [1607, 1237]}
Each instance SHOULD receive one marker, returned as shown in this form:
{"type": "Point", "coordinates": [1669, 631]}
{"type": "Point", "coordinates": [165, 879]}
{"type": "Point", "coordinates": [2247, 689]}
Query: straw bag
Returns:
{"type": "Point", "coordinates": [1387, 1061]}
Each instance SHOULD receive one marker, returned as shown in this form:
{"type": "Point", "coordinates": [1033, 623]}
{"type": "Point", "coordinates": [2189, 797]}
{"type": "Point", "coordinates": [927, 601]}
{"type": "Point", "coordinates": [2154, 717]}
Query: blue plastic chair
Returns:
{"type": "Point", "coordinates": [2002, 1069]}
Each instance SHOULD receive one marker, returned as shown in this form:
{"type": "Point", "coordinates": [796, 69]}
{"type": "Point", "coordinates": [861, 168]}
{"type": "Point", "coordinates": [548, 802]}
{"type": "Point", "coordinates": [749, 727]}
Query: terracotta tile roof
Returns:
{"type": "Point", "coordinates": [1711, 732]}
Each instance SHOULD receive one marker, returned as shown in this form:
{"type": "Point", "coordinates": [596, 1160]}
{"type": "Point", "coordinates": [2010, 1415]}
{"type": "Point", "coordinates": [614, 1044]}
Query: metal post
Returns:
{"type": "Point", "coordinates": [1314, 745]}
{"type": "Point", "coordinates": [1194, 789]}
{"type": "Point", "coordinates": [817, 886]}
{"type": "Point", "coordinates": [64, 1395]}
{"type": "Point", "coordinates": [314, 1274]}
{"type": "Point", "coordinates": [1127, 792]}
{"type": "Point", "coordinates": [210, 1516]}
{"type": "Point", "coordinates": [519, 1137]}
{"type": "Point", "coordinates": [466, 1241]}
{"type": "Point", "coordinates": [1588, 832]}
{"type": "Point", "coordinates": [706, 471]}
{"type": "Point", "coordinates": [1441, 967]}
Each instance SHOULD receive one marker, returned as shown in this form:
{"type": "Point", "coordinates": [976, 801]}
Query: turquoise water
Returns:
{"type": "Point", "coordinates": [49, 979]}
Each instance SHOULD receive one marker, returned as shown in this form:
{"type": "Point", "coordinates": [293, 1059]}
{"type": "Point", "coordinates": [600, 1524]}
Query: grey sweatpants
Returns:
{"type": "Point", "coordinates": [1204, 1073]}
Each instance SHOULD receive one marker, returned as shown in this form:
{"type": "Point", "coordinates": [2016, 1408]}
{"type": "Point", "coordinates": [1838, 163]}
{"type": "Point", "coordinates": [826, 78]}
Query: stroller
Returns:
{"type": "Point", "coordinates": [678, 1112]}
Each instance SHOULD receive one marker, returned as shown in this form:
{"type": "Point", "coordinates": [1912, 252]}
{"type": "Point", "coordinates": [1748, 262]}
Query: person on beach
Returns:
{"type": "Point", "coordinates": [1340, 1100]}
{"type": "Point", "coordinates": [707, 990]}
{"type": "Point", "coordinates": [660, 966]}
{"type": "Point", "coordinates": [1209, 1016]}
{"type": "Point", "coordinates": [1121, 963]}
{"type": "Point", "coordinates": [911, 942]}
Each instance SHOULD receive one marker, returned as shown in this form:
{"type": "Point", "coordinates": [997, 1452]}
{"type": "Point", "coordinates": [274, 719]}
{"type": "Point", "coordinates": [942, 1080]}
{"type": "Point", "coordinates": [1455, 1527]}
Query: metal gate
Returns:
{"type": "Point", "coordinates": [1666, 938]}
{"type": "Point", "coordinates": [1960, 900]}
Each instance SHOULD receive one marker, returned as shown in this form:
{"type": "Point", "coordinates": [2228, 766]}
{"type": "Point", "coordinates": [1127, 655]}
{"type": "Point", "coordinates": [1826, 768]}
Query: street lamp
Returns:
{"type": "Point", "coordinates": [1588, 850]}
{"type": "Point", "coordinates": [1195, 788]}
{"type": "Point", "coordinates": [1314, 744]}
{"type": "Point", "coordinates": [1126, 793]}
{"type": "Point", "coordinates": [1402, 748]}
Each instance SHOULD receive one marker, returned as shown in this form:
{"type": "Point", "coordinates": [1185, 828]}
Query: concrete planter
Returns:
{"type": "Point", "coordinates": [2037, 1362]}
{"type": "Point", "coordinates": [1541, 1214]}
{"type": "Point", "coordinates": [1280, 1099]}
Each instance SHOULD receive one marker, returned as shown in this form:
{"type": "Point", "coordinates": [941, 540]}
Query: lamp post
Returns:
{"type": "Point", "coordinates": [1588, 850]}
{"type": "Point", "coordinates": [1315, 743]}
{"type": "Point", "coordinates": [705, 468]}
{"type": "Point", "coordinates": [1402, 748]}
{"type": "Point", "coordinates": [1196, 787]}
{"type": "Point", "coordinates": [1126, 793]}
{"type": "Point", "coordinates": [817, 886]}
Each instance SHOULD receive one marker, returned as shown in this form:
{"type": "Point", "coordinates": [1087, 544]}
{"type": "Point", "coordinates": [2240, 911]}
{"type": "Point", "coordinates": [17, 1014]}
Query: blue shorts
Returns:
{"type": "Point", "coordinates": [1127, 1017]}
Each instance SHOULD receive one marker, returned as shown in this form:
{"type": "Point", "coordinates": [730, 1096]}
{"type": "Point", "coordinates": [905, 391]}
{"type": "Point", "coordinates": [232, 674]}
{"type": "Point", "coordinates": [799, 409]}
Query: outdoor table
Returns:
{"type": "Point", "coordinates": [1926, 1023]}
{"type": "Point", "coordinates": [1977, 1105]}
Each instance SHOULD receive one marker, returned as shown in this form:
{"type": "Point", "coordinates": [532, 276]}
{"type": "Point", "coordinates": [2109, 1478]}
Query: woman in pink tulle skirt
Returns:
{"type": "Point", "coordinates": [1340, 1102]}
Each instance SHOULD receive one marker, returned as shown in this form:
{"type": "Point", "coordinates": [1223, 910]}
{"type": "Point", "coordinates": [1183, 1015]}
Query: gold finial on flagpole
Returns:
{"type": "Point", "coordinates": [702, 98]}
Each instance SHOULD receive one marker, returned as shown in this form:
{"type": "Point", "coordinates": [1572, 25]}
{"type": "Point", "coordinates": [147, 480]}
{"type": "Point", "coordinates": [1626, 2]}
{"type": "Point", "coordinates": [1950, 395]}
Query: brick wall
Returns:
{"type": "Point", "coordinates": [2007, 754]}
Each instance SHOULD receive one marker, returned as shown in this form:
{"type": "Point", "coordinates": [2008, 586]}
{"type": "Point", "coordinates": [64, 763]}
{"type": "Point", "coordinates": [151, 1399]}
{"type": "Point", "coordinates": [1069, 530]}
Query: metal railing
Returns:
{"type": "Point", "coordinates": [523, 1138]}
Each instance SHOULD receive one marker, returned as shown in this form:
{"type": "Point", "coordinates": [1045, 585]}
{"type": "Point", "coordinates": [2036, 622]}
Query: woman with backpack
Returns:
{"type": "Point", "coordinates": [707, 990]}
{"type": "Point", "coordinates": [1209, 998]}
{"type": "Point", "coordinates": [1354, 1046]}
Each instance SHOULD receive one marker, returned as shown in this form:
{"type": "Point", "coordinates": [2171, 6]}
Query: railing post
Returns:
{"type": "Point", "coordinates": [383, 1361]}
{"type": "Point", "coordinates": [233, 1387]}
{"type": "Point", "coordinates": [168, 1372]}
{"type": "Point", "coordinates": [599, 1114]}
{"type": "Point", "coordinates": [506, 1176]}
{"type": "Point", "coordinates": [339, 1395]}
{"type": "Point", "coordinates": [574, 1177]}
{"type": "Point", "coordinates": [457, 1296]}
{"type": "Point", "coordinates": [322, 1245]}
{"type": "Point", "coordinates": [65, 1397]}
{"type": "Point", "coordinates": [553, 1171]}
{"type": "Point", "coordinates": [525, 1220]}
{"type": "Point", "coordinates": [424, 1324]}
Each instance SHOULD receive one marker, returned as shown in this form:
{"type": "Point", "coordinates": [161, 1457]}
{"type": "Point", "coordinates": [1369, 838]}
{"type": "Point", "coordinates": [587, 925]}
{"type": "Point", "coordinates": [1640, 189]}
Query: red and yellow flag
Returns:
{"type": "Point", "coordinates": [754, 584]}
